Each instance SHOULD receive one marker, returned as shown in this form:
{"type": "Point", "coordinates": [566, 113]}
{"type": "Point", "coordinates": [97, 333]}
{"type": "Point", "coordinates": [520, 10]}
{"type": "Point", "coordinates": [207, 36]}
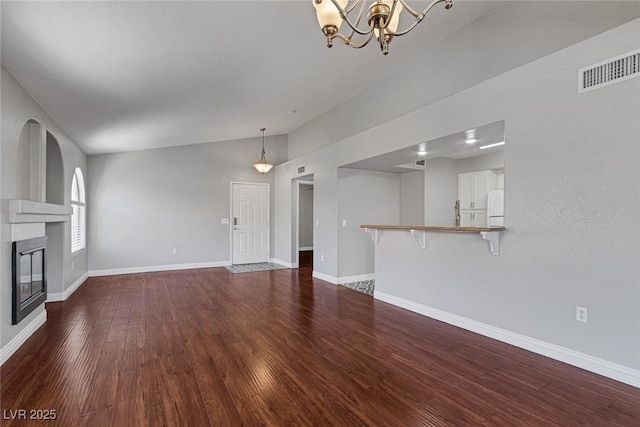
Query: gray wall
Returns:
{"type": "Point", "coordinates": [488, 161]}
{"type": "Point", "coordinates": [305, 238]}
{"type": "Point", "coordinates": [364, 197]}
{"type": "Point", "coordinates": [143, 204]}
{"type": "Point", "coordinates": [441, 191]}
{"type": "Point", "coordinates": [17, 107]}
{"type": "Point", "coordinates": [423, 82]}
{"type": "Point", "coordinates": [55, 191]}
{"type": "Point", "coordinates": [412, 198]}
{"type": "Point", "coordinates": [441, 184]}
{"type": "Point", "coordinates": [325, 210]}
{"type": "Point", "coordinates": [572, 167]}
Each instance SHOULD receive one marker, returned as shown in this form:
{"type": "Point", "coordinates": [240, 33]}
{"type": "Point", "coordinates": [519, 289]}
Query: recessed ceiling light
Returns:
{"type": "Point", "coordinates": [491, 145]}
{"type": "Point", "coordinates": [471, 140]}
{"type": "Point", "coordinates": [422, 153]}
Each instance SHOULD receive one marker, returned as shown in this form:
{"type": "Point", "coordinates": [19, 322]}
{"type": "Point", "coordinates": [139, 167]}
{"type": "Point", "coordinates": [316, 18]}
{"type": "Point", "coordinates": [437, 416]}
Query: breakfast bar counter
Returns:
{"type": "Point", "coordinates": [491, 234]}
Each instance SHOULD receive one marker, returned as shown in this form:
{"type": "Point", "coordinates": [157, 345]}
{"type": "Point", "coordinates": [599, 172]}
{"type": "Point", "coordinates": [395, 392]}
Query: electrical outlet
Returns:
{"type": "Point", "coordinates": [344, 223]}
{"type": "Point", "coordinates": [175, 251]}
{"type": "Point", "coordinates": [582, 314]}
{"type": "Point", "coordinates": [322, 258]}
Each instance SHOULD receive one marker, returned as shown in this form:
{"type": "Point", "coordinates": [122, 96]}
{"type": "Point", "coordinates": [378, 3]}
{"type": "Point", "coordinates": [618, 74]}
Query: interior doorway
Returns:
{"type": "Point", "coordinates": [249, 223]}
{"type": "Point", "coordinates": [303, 218]}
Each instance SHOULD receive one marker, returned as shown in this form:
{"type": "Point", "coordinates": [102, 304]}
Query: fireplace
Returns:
{"type": "Point", "coordinates": [29, 276]}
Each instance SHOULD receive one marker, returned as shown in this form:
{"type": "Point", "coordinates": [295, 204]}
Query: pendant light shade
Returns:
{"type": "Point", "coordinates": [263, 166]}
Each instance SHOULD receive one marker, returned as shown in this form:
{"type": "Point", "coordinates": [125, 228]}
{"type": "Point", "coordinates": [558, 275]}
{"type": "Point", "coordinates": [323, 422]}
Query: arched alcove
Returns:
{"type": "Point", "coordinates": [55, 172]}
{"type": "Point", "coordinates": [26, 161]}
{"type": "Point", "coordinates": [55, 231]}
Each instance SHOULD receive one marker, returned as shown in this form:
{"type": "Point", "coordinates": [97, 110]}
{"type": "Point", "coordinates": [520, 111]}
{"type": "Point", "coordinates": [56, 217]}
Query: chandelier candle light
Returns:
{"type": "Point", "coordinates": [262, 166]}
{"type": "Point", "coordinates": [382, 17]}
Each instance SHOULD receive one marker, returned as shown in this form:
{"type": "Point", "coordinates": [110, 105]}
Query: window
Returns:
{"type": "Point", "coordinates": [78, 222]}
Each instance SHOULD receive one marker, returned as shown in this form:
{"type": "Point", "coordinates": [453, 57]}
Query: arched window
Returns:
{"type": "Point", "coordinates": [78, 204]}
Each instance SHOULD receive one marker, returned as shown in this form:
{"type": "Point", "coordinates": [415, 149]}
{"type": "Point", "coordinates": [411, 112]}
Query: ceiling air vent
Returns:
{"type": "Point", "coordinates": [613, 70]}
{"type": "Point", "coordinates": [301, 169]}
{"type": "Point", "coordinates": [421, 162]}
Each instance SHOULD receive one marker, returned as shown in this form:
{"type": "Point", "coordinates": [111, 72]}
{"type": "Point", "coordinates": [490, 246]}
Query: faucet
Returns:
{"type": "Point", "coordinates": [456, 209]}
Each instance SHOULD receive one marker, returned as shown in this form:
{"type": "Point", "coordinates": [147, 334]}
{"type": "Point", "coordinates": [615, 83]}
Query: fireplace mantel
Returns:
{"type": "Point", "coordinates": [29, 211]}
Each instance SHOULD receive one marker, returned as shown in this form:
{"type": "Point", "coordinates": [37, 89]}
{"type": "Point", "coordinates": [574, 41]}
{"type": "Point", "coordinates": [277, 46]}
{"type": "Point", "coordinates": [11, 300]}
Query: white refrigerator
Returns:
{"type": "Point", "coordinates": [495, 208]}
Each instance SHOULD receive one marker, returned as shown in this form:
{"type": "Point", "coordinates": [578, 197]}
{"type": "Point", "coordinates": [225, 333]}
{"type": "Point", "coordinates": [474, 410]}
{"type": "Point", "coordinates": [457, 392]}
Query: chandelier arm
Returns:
{"type": "Point", "coordinates": [388, 21]}
{"type": "Point", "coordinates": [405, 31]}
{"type": "Point", "coordinates": [419, 17]}
{"type": "Point", "coordinates": [350, 42]}
{"type": "Point", "coordinates": [353, 6]}
{"type": "Point", "coordinates": [409, 9]}
{"type": "Point", "coordinates": [343, 15]}
{"type": "Point", "coordinates": [358, 18]}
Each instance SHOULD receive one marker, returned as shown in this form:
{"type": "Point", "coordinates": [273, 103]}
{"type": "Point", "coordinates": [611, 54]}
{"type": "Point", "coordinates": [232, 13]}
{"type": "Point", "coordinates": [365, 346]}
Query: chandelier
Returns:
{"type": "Point", "coordinates": [382, 18]}
{"type": "Point", "coordinates": [263, 166]}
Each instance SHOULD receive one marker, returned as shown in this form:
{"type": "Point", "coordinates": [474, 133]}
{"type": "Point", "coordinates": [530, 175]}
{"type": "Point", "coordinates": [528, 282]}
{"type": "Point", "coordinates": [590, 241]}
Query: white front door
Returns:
{"type": "Point", "coordinates": [250, 223]}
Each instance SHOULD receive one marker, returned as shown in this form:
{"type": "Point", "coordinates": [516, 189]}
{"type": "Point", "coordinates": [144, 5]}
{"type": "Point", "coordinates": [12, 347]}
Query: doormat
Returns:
{"type": "Point", "coordinates": [363, 286]}
{"type": "Point", "coordinates": [250, 268]}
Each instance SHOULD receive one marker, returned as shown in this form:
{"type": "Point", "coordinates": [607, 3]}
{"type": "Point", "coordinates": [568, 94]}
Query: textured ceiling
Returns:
{"type": "Point", "coordinates": [120, 76]}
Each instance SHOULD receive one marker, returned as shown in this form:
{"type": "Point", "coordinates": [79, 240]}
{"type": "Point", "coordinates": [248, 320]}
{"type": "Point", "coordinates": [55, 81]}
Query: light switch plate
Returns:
{"type": "Point", "coordinates": [224, 221]}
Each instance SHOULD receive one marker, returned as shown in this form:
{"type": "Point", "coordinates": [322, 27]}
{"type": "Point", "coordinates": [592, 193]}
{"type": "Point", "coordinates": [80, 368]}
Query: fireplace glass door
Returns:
{"type": "Point", "coordinates": [29, 276]}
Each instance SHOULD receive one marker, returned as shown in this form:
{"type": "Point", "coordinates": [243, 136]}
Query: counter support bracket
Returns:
{"type": "Point", "coordinates": [421, 236]}
{"type": "Point", "coordinates": [494, 241]}
{"type": "Point", "coordinates": [374, 234]}
{"type": "Point", "coordinates": [490, 234]}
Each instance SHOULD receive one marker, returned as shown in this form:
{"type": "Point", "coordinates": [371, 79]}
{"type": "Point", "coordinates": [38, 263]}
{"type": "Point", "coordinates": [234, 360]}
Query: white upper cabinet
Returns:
{"type": "Point", "coordinates": [474, 187]}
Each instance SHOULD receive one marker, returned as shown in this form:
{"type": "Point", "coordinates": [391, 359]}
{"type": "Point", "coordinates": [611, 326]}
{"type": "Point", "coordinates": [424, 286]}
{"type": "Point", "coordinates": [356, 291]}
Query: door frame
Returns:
{"type": "Point", "coordinates": [264, 184]}
{"type": "Point", "coordinates": [306, 180]}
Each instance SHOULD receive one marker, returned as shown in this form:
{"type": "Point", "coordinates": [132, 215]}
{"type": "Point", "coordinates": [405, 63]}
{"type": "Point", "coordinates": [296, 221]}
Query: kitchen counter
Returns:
{"type": "Point", "coordinates": [433, 228]}
{"type": "Point", "coordinates": [491, 234]}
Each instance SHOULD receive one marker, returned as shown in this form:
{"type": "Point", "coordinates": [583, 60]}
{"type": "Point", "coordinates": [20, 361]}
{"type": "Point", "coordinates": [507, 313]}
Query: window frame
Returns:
{"type": "Point", "coordinates": [78, 224]}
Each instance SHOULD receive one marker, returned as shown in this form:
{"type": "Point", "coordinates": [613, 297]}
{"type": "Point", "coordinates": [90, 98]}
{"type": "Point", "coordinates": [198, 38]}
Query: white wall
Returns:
{"type": "Point", "coordinates": [17, 108]}
{"type": "Point", "coordinates": [572, 167]}
{"type": "Point", "coordinates": [441, 191]}
{"type": "Point", "coordinates": [412, 198]}
{"type": "Point", "coordinates": [488, 161]}
{"type": "Point", "coordinates": [143, 204]}
{"type": "Point", "coordinates": [364, 197]}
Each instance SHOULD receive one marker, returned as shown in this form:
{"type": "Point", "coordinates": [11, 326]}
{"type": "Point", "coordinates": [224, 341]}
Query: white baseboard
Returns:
{"type": "Point", "coordinates": [285, 263]}
{"type": "Point", "coordinates": [156, 268]}
{"type": "Point", "coordinates": [593, 364]}
{"type": "Point", "coordinates": [359, 278]}
{"type": "Point", "coordinates": [343, 279]}
{"type": "Point", "coordinates": [305, 248]}
{"type": "Point", "coordinates": [62, 296]}
{"type": "Point", "coordinates": [331, 279]}
{"type": "Point", "coordinates": [7, 351]}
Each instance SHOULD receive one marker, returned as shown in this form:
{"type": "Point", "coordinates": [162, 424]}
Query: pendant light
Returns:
{"type": "Point", "coordinates": [263, 166]}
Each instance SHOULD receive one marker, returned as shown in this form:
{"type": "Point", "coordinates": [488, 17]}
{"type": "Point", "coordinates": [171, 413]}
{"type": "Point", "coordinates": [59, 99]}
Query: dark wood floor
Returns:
{"type": "Point", "coordinates": [207, 347]}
